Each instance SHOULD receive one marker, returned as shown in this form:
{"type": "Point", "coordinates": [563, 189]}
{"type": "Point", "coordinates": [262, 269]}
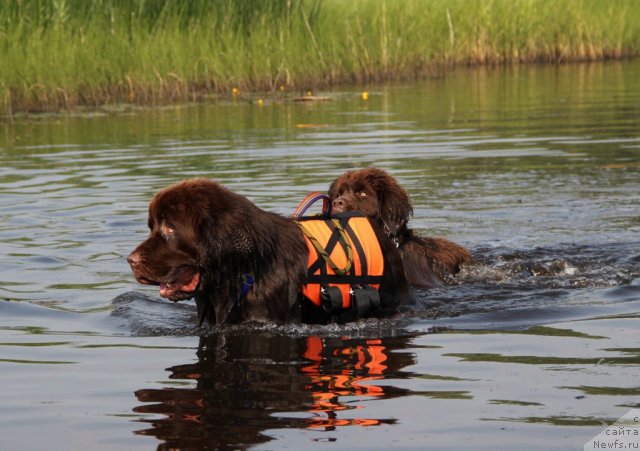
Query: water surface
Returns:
{"type": "Point", "coordinates": [534, 169]}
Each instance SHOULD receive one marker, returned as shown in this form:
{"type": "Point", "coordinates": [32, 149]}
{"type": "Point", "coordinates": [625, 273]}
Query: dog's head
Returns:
{"type": "Point", "coordinates": [183, 220]}
{"type": "Point", "coordinates": [374, 193]}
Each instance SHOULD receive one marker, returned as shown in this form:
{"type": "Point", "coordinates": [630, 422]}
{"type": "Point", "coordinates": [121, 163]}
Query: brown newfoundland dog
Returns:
{"type": "Point", "coordinates": [239, 262]}
{"type": "Point", "coordinates": [428, 261]}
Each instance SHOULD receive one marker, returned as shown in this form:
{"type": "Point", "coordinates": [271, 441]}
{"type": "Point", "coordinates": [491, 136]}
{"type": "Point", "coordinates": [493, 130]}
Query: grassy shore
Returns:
{"type": "Point", "coordinates": [58, 54]}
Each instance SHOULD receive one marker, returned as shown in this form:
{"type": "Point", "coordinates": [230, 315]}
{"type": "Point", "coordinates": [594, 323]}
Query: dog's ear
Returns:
{"type": "Point", "coordinates": [212, 207]}
{"type": "Point", "coordinates": [394, 204]}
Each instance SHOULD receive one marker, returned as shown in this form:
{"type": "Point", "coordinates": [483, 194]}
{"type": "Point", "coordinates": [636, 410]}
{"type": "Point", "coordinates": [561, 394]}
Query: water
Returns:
{"type": "Point", "coordinates": [535, 169]}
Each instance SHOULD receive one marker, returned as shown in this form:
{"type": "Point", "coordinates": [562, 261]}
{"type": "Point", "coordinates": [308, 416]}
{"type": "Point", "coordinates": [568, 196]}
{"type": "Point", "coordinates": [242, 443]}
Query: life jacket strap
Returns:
{"type": "Point", "coordinates": [348, 279]}
{"type": "Point", "coordinates": [330, 299]}
{"type": "Point", "coordinates": [324, 254]}
{"type": "Point", "coordinates": [364, 300]}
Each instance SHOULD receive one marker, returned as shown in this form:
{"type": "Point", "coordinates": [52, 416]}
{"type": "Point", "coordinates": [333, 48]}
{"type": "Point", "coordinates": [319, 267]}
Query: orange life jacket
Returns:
{"type": "Point", "coordinates": [350, 242]}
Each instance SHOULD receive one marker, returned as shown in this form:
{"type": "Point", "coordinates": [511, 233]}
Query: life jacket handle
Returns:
{"type": "Point", "coordinates": [308, 201]}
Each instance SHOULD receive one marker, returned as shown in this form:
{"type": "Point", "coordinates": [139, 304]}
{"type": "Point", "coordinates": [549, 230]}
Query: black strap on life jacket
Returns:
{"type": "Point", "coordinates": [350, 277]}
{"type": "Point", "coordinates": [325, 252]}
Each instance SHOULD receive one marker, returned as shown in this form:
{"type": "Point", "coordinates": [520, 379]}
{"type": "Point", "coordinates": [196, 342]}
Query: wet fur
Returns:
{"type": "Point", "coordinates": [199, 226]}
{"type": "Point", "coordinates": [428, 261]}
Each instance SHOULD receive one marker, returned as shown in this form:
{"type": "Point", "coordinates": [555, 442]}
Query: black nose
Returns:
{"type": "Point", "coordinates": [338, 204]}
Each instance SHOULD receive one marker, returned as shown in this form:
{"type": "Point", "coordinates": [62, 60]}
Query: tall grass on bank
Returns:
{"type": "Point", "coordinates": [63, 53]}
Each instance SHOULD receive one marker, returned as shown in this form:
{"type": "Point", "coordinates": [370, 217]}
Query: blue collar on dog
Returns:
{"type": "Point", "coordinates": [247, 283]}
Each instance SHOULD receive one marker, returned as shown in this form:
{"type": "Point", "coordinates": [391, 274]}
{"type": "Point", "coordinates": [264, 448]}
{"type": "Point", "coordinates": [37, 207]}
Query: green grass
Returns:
{"type": "Point", "coordinates": [58, 54]}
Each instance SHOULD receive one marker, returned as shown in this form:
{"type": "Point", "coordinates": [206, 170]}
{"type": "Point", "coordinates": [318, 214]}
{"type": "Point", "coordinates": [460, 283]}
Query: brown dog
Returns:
{"type": "Point", "coordinates": [427, 260]}
{"type": "Point", "coordinates": [238, 261]}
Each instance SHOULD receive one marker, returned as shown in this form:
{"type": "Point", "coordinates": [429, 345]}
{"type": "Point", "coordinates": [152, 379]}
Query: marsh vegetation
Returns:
{"type": "Point", "coordinates": [58, 54]}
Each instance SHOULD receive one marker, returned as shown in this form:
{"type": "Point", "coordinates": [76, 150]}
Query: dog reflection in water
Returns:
{"type": "Point", "coordinates": [244, 384]}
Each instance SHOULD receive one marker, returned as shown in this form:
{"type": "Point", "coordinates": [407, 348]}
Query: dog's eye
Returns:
{"type": "Point", "coordinates": [362, 194]}
{"type": "Point", "coordinates": [167, 231]}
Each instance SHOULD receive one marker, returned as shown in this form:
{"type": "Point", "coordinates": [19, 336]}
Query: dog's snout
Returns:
{"type": "Point", "coordinates": [339, 204]}
{"type": "Point", "coordinates": [134, 258]}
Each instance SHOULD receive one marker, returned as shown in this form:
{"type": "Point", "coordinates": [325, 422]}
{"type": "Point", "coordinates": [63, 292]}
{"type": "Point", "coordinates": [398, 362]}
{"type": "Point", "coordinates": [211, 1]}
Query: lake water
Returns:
{"type": "Point", "coordinates": [537, 346]}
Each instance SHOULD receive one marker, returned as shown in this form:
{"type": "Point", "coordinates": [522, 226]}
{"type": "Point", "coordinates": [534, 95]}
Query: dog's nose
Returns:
{"type": "Point", "coordinates": [338, 204]}
{"type": "Point", "coordinates": [134, 258]}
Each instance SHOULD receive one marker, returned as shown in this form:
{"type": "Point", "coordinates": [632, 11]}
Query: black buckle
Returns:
{"type": "Point", "coordinates": [331, 299]}
{"type": "Point", "coordinates": [364, 300]}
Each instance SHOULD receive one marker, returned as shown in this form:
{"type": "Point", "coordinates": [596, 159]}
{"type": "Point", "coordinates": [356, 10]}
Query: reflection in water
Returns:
{"type": "Point", "coordinates": [246, 384]}
{"type": "Point", "coordinates": [344, 368]}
